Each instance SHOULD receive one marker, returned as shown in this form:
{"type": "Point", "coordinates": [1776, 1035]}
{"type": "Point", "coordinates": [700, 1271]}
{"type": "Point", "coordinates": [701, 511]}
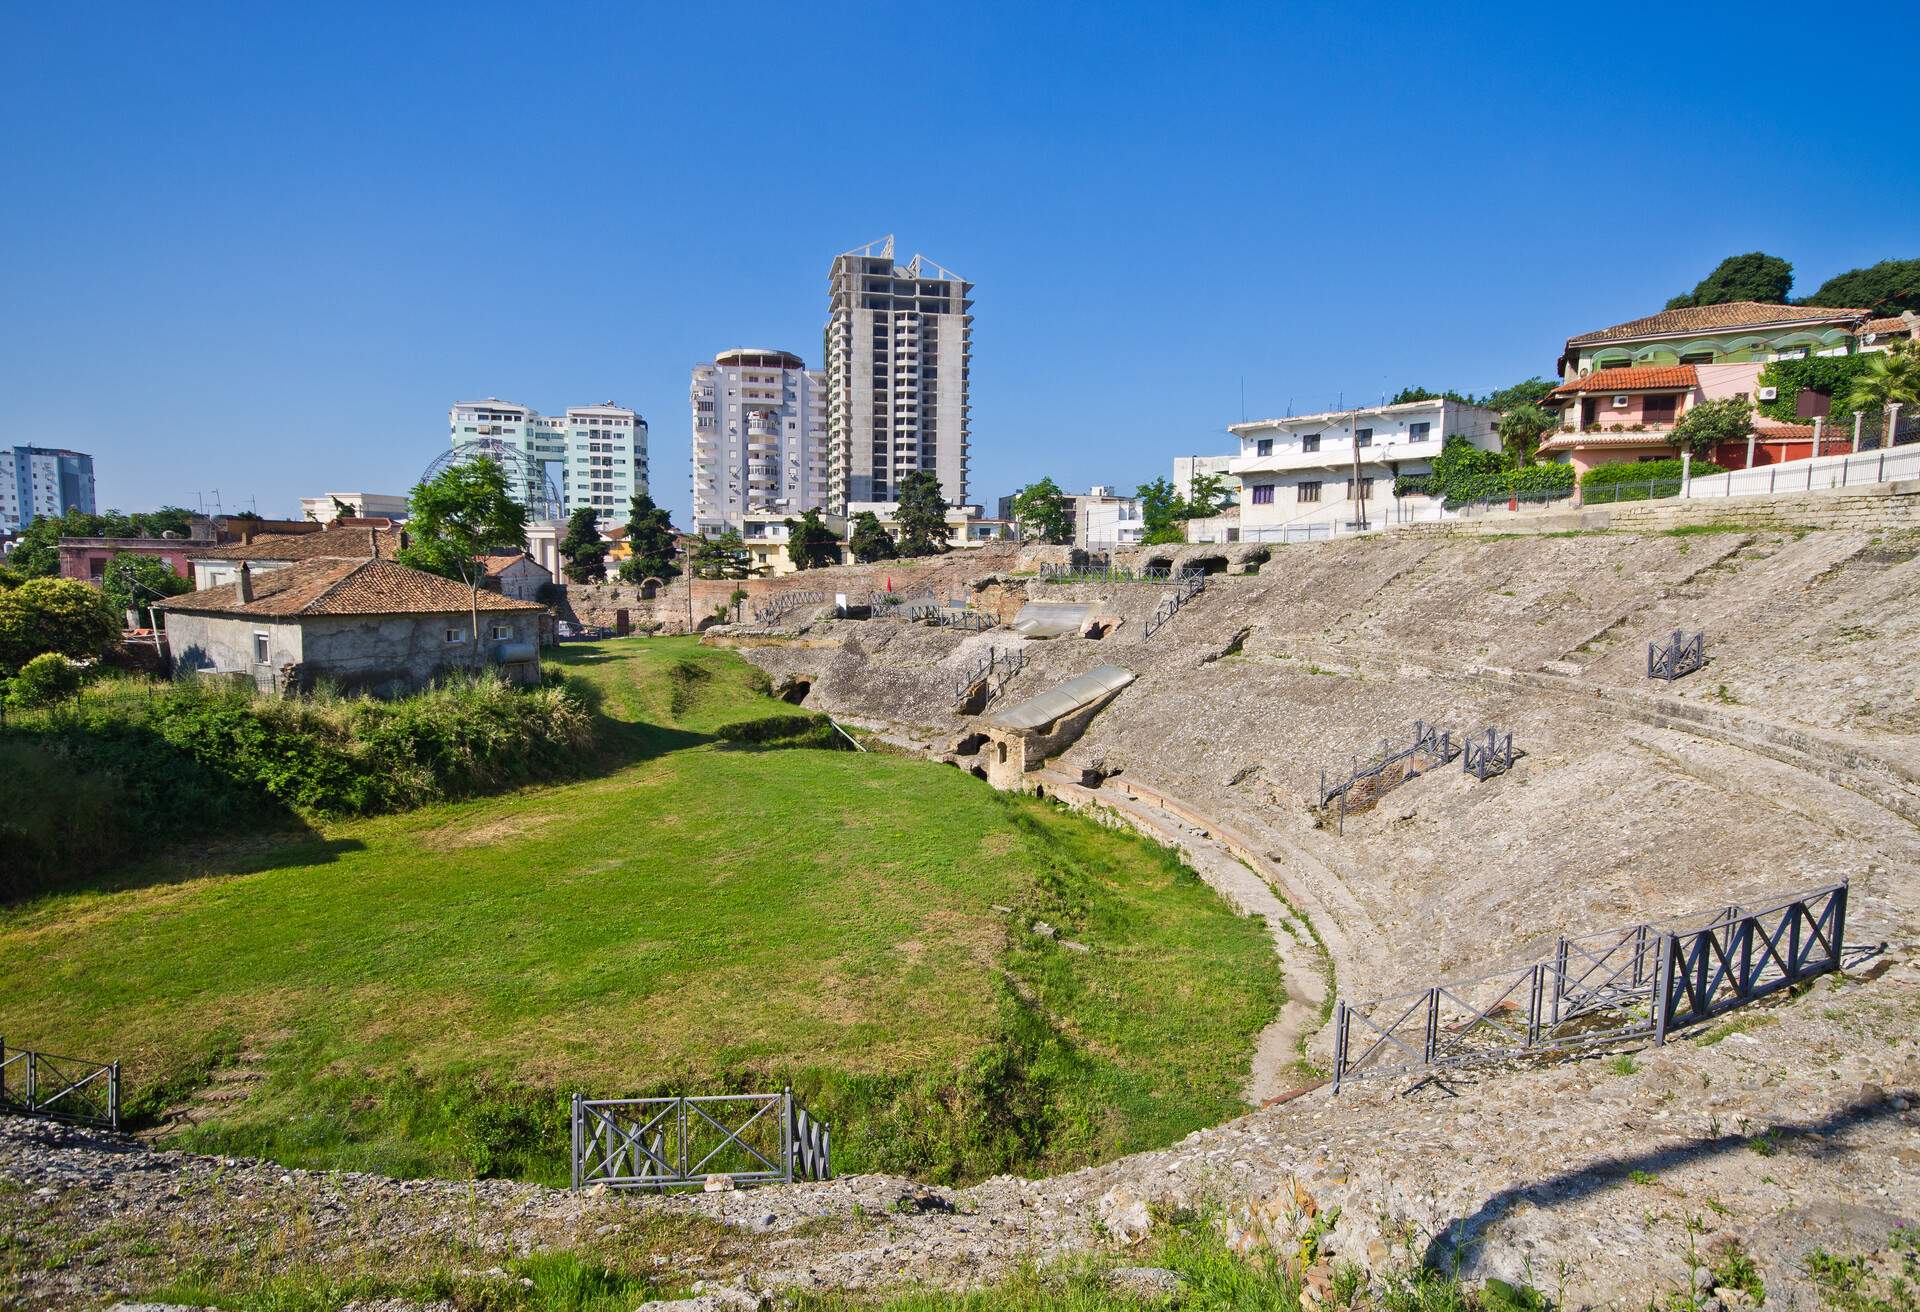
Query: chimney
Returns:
{"type": "Point", "coordinates": [243, 586]}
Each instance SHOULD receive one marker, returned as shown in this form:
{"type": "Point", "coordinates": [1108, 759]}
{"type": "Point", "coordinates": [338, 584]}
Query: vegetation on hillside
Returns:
{"type": "Point", "coordinates": [37, 553]}
{"type": "Point", "coordinates": [420, 992]}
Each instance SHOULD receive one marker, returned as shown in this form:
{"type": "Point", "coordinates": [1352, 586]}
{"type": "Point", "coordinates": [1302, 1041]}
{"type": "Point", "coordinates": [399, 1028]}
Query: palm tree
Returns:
{"type": "Point", "coordinates": [1892, 377]}
{"type": "Point", "coordinates": [1520, 430]}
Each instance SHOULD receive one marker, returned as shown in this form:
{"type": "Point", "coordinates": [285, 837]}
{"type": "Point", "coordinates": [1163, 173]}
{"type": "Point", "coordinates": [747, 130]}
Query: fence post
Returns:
{"type": "Point", "coordinates": [1559, 976]}
{"type": "Point", "coordinates": [1839, 923]}
{"type": "Point", "coordinates": [1339, 1042]}
{"type": "Point", "coordinates": [1433, 1024]}
{"type": "Point", "coordinates": [1533, 1004]}
{"type": "Point", "coordinates": [786, 1130]}
{"type": "Point", "coordinates": [1859, 416]}
{"type": "Point", "coordinates": [33, 1080]}
{"type": "Point", "coordinates": [1663, 989]}
{"type": "Point", "coordinates": [113, 1096]}
{"type": "Point", "coordinates": [576, 1141]}
{"type": "Point", "coordinates": [3, 1071]}
{"type": "Point", "coordinates": [1686, 475]}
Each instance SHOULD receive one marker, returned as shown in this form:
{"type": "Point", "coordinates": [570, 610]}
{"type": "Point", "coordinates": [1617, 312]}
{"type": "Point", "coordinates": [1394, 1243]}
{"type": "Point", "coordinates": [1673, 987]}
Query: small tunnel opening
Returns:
{"type": "Point", "coordinates": [1098, 630]}
{"type": "Point", "coordinates": [977, 771]}
{"type": "Point", "coordinates": [1208, 564]}
{"type": "Point", "coordinates": [970, 744]}
{"type": "Point", "coordinates": [794, 691]}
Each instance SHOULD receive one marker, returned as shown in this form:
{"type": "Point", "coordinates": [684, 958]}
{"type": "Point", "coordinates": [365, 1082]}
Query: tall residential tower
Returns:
{"type": "Point", "coordinates": [596, 455]}
{"type": "Point", "coordinates": [39, 480]}
{"type": "Point", "coordinates": [898, 342]}
{"type": "Point", "coordinates": [759, 438]}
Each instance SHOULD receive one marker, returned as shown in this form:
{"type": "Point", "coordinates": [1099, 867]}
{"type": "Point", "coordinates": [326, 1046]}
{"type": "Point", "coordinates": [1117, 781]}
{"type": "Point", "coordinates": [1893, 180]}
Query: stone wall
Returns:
{"type": "Point", "coordinates": [1880, 506]}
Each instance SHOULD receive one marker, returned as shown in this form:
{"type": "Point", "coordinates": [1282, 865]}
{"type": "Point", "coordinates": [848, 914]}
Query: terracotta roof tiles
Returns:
{"type": "Point", "coordinates": [1719, 318]}
{"type": "Point", "coordinates": [1643, 378]}
{"type": "Point", "coordinates": [351, 542]}
{"type": "Point", "coordinates": [342, 587]}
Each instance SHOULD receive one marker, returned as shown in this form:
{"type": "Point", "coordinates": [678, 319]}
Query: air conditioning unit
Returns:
{"type": "Point", "coordinates": [1769, 394]}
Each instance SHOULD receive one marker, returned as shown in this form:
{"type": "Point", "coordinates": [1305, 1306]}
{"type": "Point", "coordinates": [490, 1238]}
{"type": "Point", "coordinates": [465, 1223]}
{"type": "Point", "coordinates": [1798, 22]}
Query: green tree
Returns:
{"type": "Point", "coordinates": [810, 543]}
{"type": "Point", "coordinates": [1887, 288]}
{"type": "Point", "coordinates": [57, 615]}
{"type": "Point", "coordinates": [1521, 429]}
{"type": "Point", "coordinates": [723, 556]}
{"type": "Point", "coordinates": [44, 680]}
{"type": "Point", "coordinates": [1044, 512]}
{"type": "Point", "coordinates": [1531, 392]}
{"type": "Point", "coordinates": [37, 553]}
{"type": "Point", "coordinates": [459, 515]}
{"type": "Point", "coordinates": [923, 515]}
{"type": "Point", "coordinates": [1162, 512]}
{"type": "Point", "coordinates": [1710, 423]}
{"type": "Point", "coordinates": [582, 547]}
{"type": "Point", "coordinates": [1206, 496]}
{"type": "Point", "coordinates": [1407, 394]}
{"type": "Point", "coordinates": [1889, 377]}
{"type": "Point", "coordinates": [1755, 276]}
{"type": "Point", "coordinates": [870, 540]}
{"type": "Point", "coordinates": [650, 538]}
{"type": "Point", "coordinates": [133, 581]}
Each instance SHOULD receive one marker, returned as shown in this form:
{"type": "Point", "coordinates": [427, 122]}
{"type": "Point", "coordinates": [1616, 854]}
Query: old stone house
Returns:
{"type": "Point", "coordinates": [218, 565]}
{"type": "Point", "coordinates": [362, 624]}
{"type": "Point", "coordinates": [515, 574]}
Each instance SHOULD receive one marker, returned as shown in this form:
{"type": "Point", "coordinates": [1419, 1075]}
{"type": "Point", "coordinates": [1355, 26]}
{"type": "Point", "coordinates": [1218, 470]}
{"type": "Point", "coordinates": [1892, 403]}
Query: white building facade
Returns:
{"type": "Point", "coordinates": [37, 481]}
{"type": "Point", "coordinates": [899, 343]}
{"type": "Point", "coordinates": [359, 505]}
{"type": "Point", "coordinates": [759, 438]}
{"type": "Point", "coordinates": [1335, 470]}
{"type": "Point", "coordinates": [596, 455]}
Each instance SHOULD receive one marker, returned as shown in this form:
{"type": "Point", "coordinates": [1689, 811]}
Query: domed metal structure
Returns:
{"type": "Point", "coordinates": [528, 479]}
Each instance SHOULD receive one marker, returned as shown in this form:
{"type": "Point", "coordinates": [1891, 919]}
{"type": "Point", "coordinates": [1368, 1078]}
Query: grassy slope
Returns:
{"type": "Point", "coordinates": [417, 989]}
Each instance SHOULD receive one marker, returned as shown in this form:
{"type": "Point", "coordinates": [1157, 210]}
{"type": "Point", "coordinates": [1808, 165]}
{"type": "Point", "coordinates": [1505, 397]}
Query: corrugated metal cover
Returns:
{"type": "Point", "coordinates": [1063, 699]}
{"type": "Point", "coordinates": [1051, 619]}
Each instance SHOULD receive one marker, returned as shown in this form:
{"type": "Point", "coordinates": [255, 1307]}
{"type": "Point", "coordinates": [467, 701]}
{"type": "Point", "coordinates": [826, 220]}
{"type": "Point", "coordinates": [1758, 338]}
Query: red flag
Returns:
{"type": "Point", "coordinates": [889, 583]}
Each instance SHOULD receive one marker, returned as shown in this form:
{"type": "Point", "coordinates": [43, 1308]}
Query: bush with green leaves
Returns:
{"type": "Point", "coordinates": [44, 680]}
{"type": "Point", "coordinates": [1628, 480]}
{"type": "Point", "coordinates": [1830, 375]}
{"type": "Point", "coordinates": [56, 615]}
{"type": "Point", "coordinates": [1463, 472]}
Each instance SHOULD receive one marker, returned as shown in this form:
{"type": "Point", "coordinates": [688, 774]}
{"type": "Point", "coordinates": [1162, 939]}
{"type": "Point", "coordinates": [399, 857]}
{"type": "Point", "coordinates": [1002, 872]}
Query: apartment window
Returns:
{"type": "Point", "coordinates": [1659, 409]}
{"type": "Point", "coordinates": [1263, 494]}
{"type": "Point", "coordinates": [501, 632]}
{"type": "Point", "coordinates": [1309, 491]}
{"type": "Point", "coordinates": [1697, 357]}
{"type": "Point", "coordinates": [1310, 443]}
{"type": "Point", "coordinates": [1366, 489]}
{"type": "Point", "coordinates": [1363, 437]}
{"type": "Point", "coordinates": [1419, 432]}
{"type": "Point", "coordinates": [1263, 447]}
{"type": "Point", "coordinates": [262, 649]}
{"type": "Point", "coordinates": [456, 636]}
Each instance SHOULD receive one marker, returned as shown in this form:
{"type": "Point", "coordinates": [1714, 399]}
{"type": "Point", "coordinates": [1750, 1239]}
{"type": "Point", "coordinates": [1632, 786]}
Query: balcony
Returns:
{"type": "Point", "coordinates": [1334, 455]}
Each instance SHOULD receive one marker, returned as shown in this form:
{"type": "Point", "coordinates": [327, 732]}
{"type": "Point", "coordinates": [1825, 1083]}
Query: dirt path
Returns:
{"type": "Point", "coordinates": [1278, 1062]}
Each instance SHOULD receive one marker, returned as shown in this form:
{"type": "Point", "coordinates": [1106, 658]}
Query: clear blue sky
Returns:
{"type": "Point", "coordinates": [262, 247]}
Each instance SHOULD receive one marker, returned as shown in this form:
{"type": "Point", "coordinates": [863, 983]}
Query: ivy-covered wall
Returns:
{"type": "Point", "coordinates": [1831, 374]}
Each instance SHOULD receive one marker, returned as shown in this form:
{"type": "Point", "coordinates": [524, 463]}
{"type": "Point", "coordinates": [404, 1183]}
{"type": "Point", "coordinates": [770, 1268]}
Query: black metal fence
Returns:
{"type": "Point", "coordinates": [1677, 658]}
{"type": "Point", "coordinates": [1431, 747]}
{"type": "Point", "coordinates": [683, 1142]}
{"type": "Point", "coordinates": [1006, 662]}
{"type": "Point", "coordinates": [1488, 755]}
{"type": "Point", "coordinates": [1624, 985]}
{"type": "Point", "coordinates": [782, 602]}
{"type": "Point", "coordinates": [1186, 587]}
{"type": "Point", "coordinates": [67, 1088]}
{"type": "Point", "coordinates": [1104, 573]}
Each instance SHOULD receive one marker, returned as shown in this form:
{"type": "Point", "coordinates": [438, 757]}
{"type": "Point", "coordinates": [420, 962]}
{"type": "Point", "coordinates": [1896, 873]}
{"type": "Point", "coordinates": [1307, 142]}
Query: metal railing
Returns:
{"type": "Point", "coordinates": [1677, 658]}
{"type": "Point", "coordinates": [1186, 588]}
{"type": "Point", "coordinates": [1484, 759]}
{"type": "Point", "coordinates": [66, 1088]}
{"type": "Point", "coordinates": [683, 1142]}
{"type": "Point", "coordinates": [1431, 747]}
{"type": "Point", "coordinates": [782, 602]}
{"type": "Point", "coordinates": [968, 620]}
{"type": "Point", "coordinates": [1641, 982]}
{"type": "Point", "coordinates": [1006, 662]}
{"type": "Point", "coordinates": [1105, 574]}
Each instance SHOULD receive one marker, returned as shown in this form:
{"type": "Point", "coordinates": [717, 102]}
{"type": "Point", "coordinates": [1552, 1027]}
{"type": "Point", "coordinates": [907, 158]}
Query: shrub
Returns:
{"type": "Point", "coordinates": [1831, 375]}
{"type": "Point", "coordinates": [44, 680]}
{"type": "Point", "coordinates": [57, 615]}
{"type": "Point", "coordinates": [1628, 480]}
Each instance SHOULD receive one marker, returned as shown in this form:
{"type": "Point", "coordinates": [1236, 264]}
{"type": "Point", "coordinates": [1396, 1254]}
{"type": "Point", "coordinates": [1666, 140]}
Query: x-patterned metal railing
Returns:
{"type": "Point", "coordinates": [67, 1088]}
{"type": "Point", "coordinates": [1006, 662]}
{"type": "Point", "coordinates": [782, 602]}
{"type": "Point", "coordinates": [1484, 758]}
{"type": "Point", "coordinates": [1677, 658]}
{"type": "Point", "coordinates": [1185, 588]}
{"type": "Point", "coordinates": [1616, 986]}
{"type": "Point", "coordinates": [683, 1142]}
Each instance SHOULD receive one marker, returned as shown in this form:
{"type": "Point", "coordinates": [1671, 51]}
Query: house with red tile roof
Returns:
{"type": "Point", "coordinates": [515, 574]}
{"type": "Point", "coordinates": [1738, 332]}
{"type": "Point", "coordinates": [362, 623]}
{"type": "Point", "coordinates": [217, 565]}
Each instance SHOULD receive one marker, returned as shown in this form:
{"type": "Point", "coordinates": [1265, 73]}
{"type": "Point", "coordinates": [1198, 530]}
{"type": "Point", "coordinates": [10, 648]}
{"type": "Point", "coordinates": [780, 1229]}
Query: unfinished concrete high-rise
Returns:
{"type": "Point", "coordinates": [898, 343]}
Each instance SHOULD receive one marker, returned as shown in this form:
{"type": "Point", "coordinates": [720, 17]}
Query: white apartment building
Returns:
{"type": "Point", "coordinates": [596, 455]}
{"type": "Point", "coordinates": [359, 505]}
{"type": "Point", "coordinates": [38, 480]}
{"type": "Point", "coordinates": [759, 438]}
{"type": "Point", "coordinates": [1301, 470]}
{"type": "Point", "coordinates": [899, 343]}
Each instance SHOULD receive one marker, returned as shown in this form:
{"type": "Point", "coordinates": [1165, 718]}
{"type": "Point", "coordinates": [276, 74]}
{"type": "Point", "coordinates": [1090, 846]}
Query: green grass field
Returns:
{"type": "Point", "coordinates": [418, 993]}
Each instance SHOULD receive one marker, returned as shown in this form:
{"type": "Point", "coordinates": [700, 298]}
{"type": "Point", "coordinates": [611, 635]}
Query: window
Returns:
{"type": "Point", "coordinates": [262, 649]}
{"type": "Point", "coordinates": [502, 632]}
{"type": "Point", "coordinates": [1263, 494]}
{"type": "Point", "coordinates": [1366, 490]}
{"type": "Point", "coordinates": [1419, 432]}
{"type": "Point", "coordinates": [1697, 357]}
{"type": "Point", "coordinates": [1263, 447]}
{"type": "Point", "coordinates": [1310, 491]}
{"type": "Point", "coordinates": [1363, 437]}
{"type": "Point", "coordinates": [1660, 409]}
{"type": "Point", "coordinates": [1310, 443]}
{"type": "Point", "coordinates": [456, 636]}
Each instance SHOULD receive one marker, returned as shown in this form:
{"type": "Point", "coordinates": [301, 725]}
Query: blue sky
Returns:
{"type": "Point", "coordinates": [261, 248]}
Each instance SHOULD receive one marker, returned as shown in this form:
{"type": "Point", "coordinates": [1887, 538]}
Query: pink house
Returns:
{"type": "Point", "coordinates": [87, 558]}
